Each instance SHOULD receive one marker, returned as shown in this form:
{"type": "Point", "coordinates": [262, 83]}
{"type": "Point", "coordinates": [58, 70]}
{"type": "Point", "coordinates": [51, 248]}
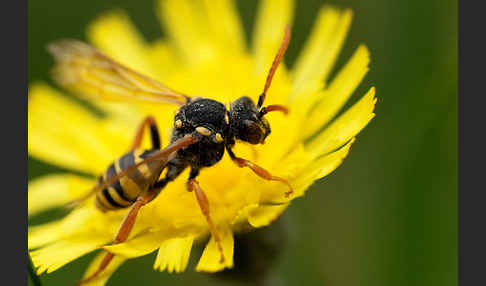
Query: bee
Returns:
{"type": "Point", "coordinates": [203, 130]}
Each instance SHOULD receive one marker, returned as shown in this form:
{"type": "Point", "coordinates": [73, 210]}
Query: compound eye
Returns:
{"type": "Point", "coordinates": [254, 133]}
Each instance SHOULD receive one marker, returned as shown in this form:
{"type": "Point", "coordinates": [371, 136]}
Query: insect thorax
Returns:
{"type": "Point", "coordinates": [208, 118]}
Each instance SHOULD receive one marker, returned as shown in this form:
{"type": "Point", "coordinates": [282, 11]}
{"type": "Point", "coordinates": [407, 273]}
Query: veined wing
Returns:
{"type": "Point", "coordinates": [87, 71]}
{"type": "Point", "coordinates": [161, 157]}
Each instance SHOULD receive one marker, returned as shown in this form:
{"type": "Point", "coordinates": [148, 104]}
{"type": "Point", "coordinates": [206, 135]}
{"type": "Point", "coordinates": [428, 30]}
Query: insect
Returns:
{"type": "Point", "coordinates": [203, 130]}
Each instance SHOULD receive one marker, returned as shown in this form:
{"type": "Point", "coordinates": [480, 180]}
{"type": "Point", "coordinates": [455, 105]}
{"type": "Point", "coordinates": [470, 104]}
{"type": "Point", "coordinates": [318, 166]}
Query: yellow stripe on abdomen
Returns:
{"type": "Point", "coordinates": [143, 169]}
{"type": "Point", "coordinates": [130, 189]}
{"type": "Point", "coordinates": [116, 197]}
{"type": "Point", "coordinates": [102, 203]}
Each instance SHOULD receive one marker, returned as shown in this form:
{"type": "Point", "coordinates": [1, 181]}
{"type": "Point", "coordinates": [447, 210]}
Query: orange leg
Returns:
{"type": "Point", "coordinates": [193, 185]}
{"type": "Point", "coordinates": [262, 173]}
{"type": "Point", "coordinates": [154, 133]}
{"type": "Point", "coordinates": [123, 232]}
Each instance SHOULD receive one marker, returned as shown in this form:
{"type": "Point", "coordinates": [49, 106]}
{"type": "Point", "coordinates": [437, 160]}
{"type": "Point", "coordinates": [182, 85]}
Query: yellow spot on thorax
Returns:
{"type": "Point", "coordinates": [218, 138]}
{"type": "Point", "coordinates": [203, 131]}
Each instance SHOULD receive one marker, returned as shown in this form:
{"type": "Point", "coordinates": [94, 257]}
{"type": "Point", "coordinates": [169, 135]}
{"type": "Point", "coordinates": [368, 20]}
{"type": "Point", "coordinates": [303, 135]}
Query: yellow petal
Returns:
{"type": "Point", "coordinates": [187, 25]}
{"type": "Point", "coordinates": [320, 168]}
{"type": "Point", "coordinates": [339, 90]}
{"type": "Point", "coordinates": [210, 259]}
{"type": "Point", "coordinates": [55, 255]}
{"type": "Point", "coordinates": [163, 58]}
{"type": "Point", "coordinates": [80, 222]}
{"type": "Point", "coordinates": [225, 25]}
{"type": "Point", "coordinates": [55, 191]}
{"type": "Point", "coordinates": [203, 30]}
{"type": "Point", "coordinates": [118, 133]}
{"type": "Point", "coordinates": [320, 51]}
{"type": "Point", "coordinates": [64, 133]}
{"type": "Point", "coordinates": [265, 215]}
{"type": "Point", "coordinates": [44, 102]}
{"type": "Point", "coordinates": [116, 35]}
{"type": "Point", "coordinates": [273, 16]}
{"type": "Point", "coordinates": [44, 234]}
{"type": "Point", "coordinates": [345, 126]}
{"type": "Point", "coordinates": [103, 277]}
{"type": "Point", "coordinates": [174, 254]}
{"type": "Point", "coordinates": [139, 246]}
{"type": "Point", "coordinates": [242, 215]}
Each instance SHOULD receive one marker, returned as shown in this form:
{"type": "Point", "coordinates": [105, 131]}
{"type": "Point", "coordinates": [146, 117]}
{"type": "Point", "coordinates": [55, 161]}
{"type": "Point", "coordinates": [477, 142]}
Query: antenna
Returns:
{"type": "Point", "coordinates": [276, 62]}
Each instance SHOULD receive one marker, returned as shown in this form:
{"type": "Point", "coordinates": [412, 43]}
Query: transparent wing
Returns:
{"type": "Point", "coordinates": [162, 157]}
{"type": "Point", "coordinates": [89, 72]}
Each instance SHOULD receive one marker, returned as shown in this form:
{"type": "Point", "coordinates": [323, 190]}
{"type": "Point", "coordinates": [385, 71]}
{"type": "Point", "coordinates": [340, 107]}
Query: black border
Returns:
{"type": "Point", "coordinates": [472, 192]}
{"type": "Point", "coordinates": [21, 38]}
{"type": "Point", "coordinates": [13, 212]}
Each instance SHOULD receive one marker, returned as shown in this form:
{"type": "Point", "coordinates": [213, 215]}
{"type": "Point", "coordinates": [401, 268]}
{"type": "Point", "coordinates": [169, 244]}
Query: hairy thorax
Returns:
{"type": "Point", "coordinates": [208, 118]}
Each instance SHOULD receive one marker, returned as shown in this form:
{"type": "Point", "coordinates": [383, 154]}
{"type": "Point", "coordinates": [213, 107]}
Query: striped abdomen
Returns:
{"type": "Point", "coordinates": [124, 192]}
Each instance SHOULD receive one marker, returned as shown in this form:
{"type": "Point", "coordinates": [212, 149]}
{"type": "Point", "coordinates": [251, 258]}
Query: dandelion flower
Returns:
{"type": "Point", "coordinates": [204, 55]}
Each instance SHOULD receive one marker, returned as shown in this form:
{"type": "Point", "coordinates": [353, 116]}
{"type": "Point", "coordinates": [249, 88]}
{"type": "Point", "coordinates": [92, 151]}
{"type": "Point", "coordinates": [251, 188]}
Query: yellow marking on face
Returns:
{"type": "Point", "coordinates": [178, 123]}
{"type": "Point", "coordinates": [218, 138]}
{"type": "Point", "coordinates": [203, 131]}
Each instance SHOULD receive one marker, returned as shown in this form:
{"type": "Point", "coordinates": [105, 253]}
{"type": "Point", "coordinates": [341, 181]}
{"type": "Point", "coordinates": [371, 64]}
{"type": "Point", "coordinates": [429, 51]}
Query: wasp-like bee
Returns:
{"type": "Point", "coordinates": [203, 130]}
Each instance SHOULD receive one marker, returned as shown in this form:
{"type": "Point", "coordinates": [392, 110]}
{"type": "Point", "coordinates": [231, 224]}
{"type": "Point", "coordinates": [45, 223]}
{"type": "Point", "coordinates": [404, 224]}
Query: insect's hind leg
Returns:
{"type": "Point", "coordinates": [175, 168]}
{"type": "Point", "coordinates": [193, 185]}
{"type": "Point", "coordinates": [123, 231]}
{"type": "Point", "coordinates": [154, 133]}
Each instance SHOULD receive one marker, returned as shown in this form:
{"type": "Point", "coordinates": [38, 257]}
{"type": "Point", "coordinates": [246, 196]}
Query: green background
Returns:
{"type": "Point", "coordinates": [388, 215]}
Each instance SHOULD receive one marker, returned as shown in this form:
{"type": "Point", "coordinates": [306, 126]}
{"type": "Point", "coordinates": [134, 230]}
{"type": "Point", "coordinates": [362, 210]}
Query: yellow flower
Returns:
{"type": "Point", "coordinates": [204, 55]}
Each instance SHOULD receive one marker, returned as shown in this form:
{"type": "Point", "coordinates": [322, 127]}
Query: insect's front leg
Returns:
{"type": "Point", "coordinates": [262, 173]}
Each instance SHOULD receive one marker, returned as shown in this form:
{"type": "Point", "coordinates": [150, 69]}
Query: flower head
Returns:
{"type": "Point", "coordinates": [205, 55]}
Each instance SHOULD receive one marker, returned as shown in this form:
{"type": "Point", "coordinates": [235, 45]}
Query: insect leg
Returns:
{"type": "Point", "coordinates": [154, 133]}
{"type": "Point", "coordinates": [193, 185]}
{"type": "Point", "coordinates": [123, 232]}
{"type": "Point", "coordinates": [262, 173]}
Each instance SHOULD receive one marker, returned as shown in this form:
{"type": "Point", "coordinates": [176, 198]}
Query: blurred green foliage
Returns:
{"type": "Point", "coordinates": [388, 215]}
